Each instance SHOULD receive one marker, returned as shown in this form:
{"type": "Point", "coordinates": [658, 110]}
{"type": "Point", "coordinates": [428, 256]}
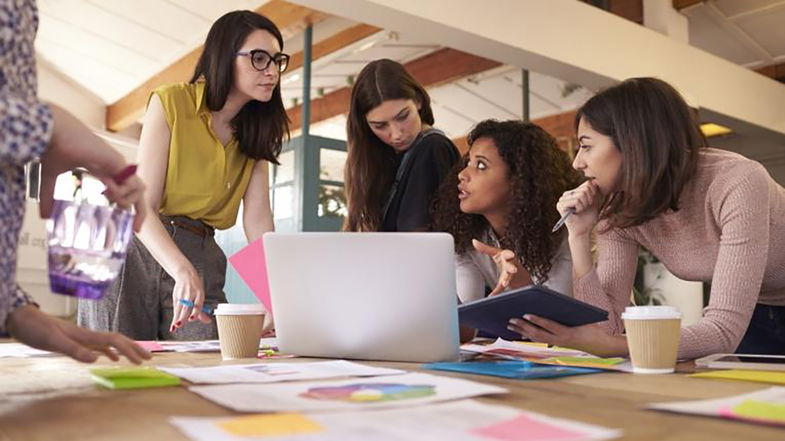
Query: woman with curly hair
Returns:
{"type": "Point", "coordinates": [506, 188]}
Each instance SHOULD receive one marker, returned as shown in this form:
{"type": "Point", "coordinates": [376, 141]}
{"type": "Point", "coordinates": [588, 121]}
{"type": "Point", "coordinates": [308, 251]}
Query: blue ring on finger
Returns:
{"type": "Point", "coordinates": [187, 303]}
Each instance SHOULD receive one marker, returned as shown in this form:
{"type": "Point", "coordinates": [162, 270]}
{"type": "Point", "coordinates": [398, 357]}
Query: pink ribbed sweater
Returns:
{"type": "Point", "coordinates": [729, 231]}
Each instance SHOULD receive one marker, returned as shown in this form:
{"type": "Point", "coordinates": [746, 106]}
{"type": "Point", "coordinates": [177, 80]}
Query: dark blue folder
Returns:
{"type": "Point", "coordinates": [491, 314]}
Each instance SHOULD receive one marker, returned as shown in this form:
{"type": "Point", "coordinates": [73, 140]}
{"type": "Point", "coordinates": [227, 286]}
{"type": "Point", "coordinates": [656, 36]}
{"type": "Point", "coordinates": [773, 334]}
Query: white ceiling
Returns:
{"type": "Point", "coordinates": [746, 32]}
{"type": "Point", "coordinates": [111, 47]}
{"type": "Point", "coordinates": [457, 106]}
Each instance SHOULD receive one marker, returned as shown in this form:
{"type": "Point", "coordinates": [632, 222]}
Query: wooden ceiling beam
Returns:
{"type": "Point", "coordinates": [775, 71]}
{"type": "Point", "coordinates": [440, 67]}
{"type": "Point", "coordinates": [334, 43]}
{"type": "Point", "coordinates": [290, 18]}
{"type": "Point", "coordinates": [682, 4]}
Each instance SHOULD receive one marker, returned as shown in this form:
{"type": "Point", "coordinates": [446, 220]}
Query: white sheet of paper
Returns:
{"type": "Point", "coordinates": [208, 345]}
{"type": "Point", "coordinates": [467, 420]}
{"type": "Point", "coordinates": [277, 372]}
{"type": "Point", "coordinates": [19, 350]}
{"type": "Point", "coordinates": [191, 346]}
{"type": "Point", "coordinates": [370, 393]}
{"type": "Point", "coordinates": [713, 407]}
{"type": "Point", "coordinates": [528, 350]}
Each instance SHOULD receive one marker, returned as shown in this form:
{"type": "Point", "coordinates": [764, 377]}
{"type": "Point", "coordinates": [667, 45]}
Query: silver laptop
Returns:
{"type": "Point", "coordinates": [370, 296]}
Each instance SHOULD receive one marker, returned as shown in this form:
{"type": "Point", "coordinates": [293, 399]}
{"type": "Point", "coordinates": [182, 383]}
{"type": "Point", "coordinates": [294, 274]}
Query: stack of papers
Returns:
{"type": "Point", "coordinates": [764, 406]}
{"type": "Point", "coordinates": [518, 369]}
{"type": "Point", "coordinates": [462, 420]}
{"type": "Point", "coordinates": [541, 353]}
{"type": "Point", "coordinates": [268, 346]}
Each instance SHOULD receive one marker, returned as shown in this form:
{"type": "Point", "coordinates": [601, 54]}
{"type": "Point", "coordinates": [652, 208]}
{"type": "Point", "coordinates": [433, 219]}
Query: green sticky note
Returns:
{"type": "Point", "coordinates": [585, 360]}
{"type": "Point", "coordinates": [761, 411]}
{"type": "Point", "coordinates": [133, 377]}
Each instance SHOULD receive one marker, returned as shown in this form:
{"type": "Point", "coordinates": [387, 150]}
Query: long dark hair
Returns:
{"type": "Point", "coordinates": [370, 165]}
{"type": "Point", "coordinates": [659, 140]}
{"type": "Point", "coordinates": [258, 127]}
{"type": "Point", "coordinates": [538, 173]}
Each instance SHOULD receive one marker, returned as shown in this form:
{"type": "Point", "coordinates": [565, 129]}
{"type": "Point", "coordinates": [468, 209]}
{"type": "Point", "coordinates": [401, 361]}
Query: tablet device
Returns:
{"type": "Point", "coordinates": [491, 314]}
{"type": "Point", "coordinates": [743, 361]}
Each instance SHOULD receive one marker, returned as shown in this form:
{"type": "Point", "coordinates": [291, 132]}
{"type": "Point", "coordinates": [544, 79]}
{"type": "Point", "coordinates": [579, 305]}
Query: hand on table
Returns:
{"type": "Point", "coordinates": [34, 328]}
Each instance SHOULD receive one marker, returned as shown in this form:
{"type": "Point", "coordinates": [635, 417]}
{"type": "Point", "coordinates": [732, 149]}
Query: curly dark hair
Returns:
{"type": "Point", "coordinates": [538, 172]}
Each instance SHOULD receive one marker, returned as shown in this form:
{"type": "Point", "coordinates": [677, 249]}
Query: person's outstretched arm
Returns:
{"type": "Point", "coordinates": [153, 160]}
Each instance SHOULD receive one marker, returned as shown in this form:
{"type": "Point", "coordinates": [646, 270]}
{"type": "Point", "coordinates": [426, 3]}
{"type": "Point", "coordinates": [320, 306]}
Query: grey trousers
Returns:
{"type": "Point", "coordinates": [139, 304]}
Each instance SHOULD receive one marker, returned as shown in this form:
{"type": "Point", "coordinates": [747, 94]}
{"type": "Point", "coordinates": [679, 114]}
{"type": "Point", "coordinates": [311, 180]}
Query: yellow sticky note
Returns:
{"type": "Point", "coordinates": [582, 361]}
{"type": "Point", "coordinates": [734, 374]}
{"type": "Point", "coordinates": [531, 343]}
{"type": "Point", "coordinates": [760, 410]}
{"type": "Point", "coordinates": [279, 424]}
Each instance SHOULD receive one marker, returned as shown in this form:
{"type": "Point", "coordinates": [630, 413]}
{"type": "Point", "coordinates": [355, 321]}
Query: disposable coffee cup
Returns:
{"type": "Point", "coordinates": [239, 329]}
{"type": "Point", "coordinates": [652, 338]}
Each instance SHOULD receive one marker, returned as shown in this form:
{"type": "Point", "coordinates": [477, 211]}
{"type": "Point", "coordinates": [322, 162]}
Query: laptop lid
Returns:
{"type": "Point", "coordinates": [372, 296]}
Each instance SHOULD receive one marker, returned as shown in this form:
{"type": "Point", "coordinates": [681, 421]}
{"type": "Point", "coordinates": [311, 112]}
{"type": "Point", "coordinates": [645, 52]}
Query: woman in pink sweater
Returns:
{"type": "Point", "coordinates": [707, 214]}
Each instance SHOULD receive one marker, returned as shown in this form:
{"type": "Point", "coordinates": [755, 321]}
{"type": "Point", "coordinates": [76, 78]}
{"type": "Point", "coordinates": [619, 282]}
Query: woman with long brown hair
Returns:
{"type": "Point", "coordinates": [709, 215]}
{"type": "Point", "coordinates": [503, 196]}
{"type": "Point", "coordinates": [396, 159]}
{"type": "Point", "coordinates": [205, 147]}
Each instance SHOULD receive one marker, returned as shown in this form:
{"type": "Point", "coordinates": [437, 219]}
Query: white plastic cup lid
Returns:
{"type": "Point", "coordinates": [239, 309]}
{"type": "Point", "coordinates": [650, 312]}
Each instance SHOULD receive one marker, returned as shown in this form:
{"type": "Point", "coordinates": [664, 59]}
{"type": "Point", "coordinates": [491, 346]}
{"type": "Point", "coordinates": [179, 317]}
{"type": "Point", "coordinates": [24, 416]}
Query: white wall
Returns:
{"type": "Point", "coordinates": [55, 87]}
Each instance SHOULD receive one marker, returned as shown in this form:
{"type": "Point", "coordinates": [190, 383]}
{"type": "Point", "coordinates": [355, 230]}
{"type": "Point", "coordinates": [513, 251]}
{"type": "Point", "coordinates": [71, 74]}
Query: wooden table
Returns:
{"type": "Point", "coordinates": [53, 398]}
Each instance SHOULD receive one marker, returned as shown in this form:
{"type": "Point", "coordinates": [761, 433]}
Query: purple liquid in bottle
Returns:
{"type": "Point", "coordinates": [87, 245]}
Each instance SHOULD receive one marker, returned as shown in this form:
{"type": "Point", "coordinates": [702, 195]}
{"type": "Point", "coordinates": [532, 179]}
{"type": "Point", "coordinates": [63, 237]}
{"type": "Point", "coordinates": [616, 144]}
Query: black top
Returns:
{"type": "Point", "coordinates": [430, 159]}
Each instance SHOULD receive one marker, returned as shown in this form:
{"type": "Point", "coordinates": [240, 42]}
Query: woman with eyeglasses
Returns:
{"type": "Point", "coordinates": [205, 147]}
{"type": "Point", "coordinates": [396, 159]}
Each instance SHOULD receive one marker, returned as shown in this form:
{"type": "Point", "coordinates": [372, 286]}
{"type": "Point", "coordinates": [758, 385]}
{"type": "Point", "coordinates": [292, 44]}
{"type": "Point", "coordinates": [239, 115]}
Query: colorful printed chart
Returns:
{"type": "Point", "coordinates": [354, 394]}
{"type": "Point", "coordinates": [371, 392]}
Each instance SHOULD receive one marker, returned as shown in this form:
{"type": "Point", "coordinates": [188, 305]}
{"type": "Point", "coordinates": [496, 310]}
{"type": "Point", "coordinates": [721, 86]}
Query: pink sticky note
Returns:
{"type": "Point", "coordinates": [526, 428]}
{"type": "Point", "coordinates": [151, 346]}
{"type": "Point", "coordinates": [251, 265]}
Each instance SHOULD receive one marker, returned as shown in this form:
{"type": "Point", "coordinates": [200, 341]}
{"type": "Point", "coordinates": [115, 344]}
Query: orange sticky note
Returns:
{"type": "Point", "coordinates": [278, 424]}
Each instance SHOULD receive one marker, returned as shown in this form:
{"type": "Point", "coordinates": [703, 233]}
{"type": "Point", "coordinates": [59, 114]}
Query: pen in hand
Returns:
{"type": "Point", "coordinates": [566, 214]}
{"type": "Point", "coordinates": [207, 309]}
{"type": "Point", "coordinates": [563, 219]}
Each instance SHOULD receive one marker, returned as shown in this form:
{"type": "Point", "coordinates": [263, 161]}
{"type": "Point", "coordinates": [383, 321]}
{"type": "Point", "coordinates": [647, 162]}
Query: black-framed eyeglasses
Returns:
{"type": "Point", "coordinates": [261, 59]}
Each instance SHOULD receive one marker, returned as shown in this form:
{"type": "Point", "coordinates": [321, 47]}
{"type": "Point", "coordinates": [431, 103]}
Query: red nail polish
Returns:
{"type": "Point", "coordinates": [179, 323]}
